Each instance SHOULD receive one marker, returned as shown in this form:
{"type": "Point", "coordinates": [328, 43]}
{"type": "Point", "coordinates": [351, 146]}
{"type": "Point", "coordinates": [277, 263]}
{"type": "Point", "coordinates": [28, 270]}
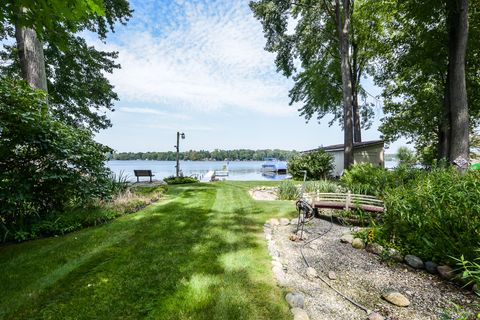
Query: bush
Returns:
{"type": "Point", "coordinates": [180, 180]}
{"type": "Point", "coordinates": [45, 164]}
{"type": "Point", "coordinates": [318, 165]}
{"type": "Point", "coordinates": [436, 215]}
{"type": "Point", "coordinates": [321, 186]}
{"type": "Point", "coordinates": [287, 190]}
{"type": "Point", "coordinates": [366, 178]}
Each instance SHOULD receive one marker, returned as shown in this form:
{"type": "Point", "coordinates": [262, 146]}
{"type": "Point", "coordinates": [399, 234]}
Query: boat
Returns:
{"type": "Point", "coordinates": [274, 165]}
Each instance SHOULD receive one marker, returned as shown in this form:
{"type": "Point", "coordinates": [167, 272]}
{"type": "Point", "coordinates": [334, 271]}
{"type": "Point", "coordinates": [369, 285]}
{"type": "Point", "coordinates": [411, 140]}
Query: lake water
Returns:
{"type": "Point", "coordinates": [238, 170]}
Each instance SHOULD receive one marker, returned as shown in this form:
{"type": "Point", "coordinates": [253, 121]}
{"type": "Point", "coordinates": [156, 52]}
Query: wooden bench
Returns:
{"type": "Point", "coordinates": [345, 201]}
{"type": "Point", "coordinates": [143, 173]}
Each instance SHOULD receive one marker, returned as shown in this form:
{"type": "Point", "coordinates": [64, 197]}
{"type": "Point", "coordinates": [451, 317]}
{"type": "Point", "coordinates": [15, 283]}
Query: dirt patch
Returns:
{"type": "Point", "coordinates": [360, 275]}
{"type": "Point", "coordinates": [263, 193]}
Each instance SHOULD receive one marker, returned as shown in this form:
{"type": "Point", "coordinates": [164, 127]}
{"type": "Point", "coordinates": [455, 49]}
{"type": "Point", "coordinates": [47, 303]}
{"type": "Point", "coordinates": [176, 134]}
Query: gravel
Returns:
{"type": "Point", "coordinates": [362, 276]}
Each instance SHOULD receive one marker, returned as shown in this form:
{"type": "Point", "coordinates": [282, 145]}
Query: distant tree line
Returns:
{"type": "Point", "coordinates": [239, 154]}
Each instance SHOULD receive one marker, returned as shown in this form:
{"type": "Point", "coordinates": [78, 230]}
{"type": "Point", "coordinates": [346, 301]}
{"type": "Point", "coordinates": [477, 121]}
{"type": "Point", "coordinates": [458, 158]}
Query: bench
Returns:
{"type": "Point", "coordinates": [345, 201]}
{"type": "Point", "coordinates": [143, 173]}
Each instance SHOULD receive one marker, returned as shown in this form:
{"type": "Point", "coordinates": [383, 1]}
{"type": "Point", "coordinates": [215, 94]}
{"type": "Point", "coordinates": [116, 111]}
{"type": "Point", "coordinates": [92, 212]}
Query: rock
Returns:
{"type": "Point", "coordinates": [375, 316]}
{"type": "Point", "coordinates": [395, 255]}
{"type": "Point", "coordinates": [358, 243]}
{"type": "Point", "coordinates": [311, 272]}
{"type": "Point", "coordinates": [396, 298]}
{"type": "Point", "coordinates": [284, 222]}
{"type": "Point", "coordinates": [414, 261]}
{"type": "Point", "coordinates": [299, 314]}
{"type": "Point", "coordinates": [294, 221]}
{"type": "Point", "coordinates": [346, 238]}
{"type": "Point", "coordinates": [273, 222]}
{"type": "Point", "coordinates": [332, 275]}
{"type": "Point", "coordinates": [445, 272]}
{"type": "Point", "coordinates": [295, 299]}
{"type": "Point", "coordinates": [279, 276]}
{"type": "Point", "coordinates": [313, 246]}
{"type": "Point", "coordinates": [276, 263]}
{"type": "Point", "coordinates": [431, 267]}
{"type": "Point", "coordinates": [374, 248]}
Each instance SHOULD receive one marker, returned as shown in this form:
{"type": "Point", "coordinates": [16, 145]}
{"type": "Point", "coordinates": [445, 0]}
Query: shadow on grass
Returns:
{"type": "Point", "coordinates": [198, 256]}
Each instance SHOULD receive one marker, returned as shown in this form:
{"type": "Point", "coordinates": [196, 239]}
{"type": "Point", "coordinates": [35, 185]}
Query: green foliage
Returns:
{"type": "Point", "coordinates": [366, 178]}
{"type": "Point", "coordinates": [471, 269]}
{"type": "Point", "coordinates": [45, 164]}
{"type": "Point", "coordinates": [406, 156]}
{"type": "Point", "coordinates": [321, 186]}
{"type": "Point", "coordinates": [318, 164]}
{"type": "Point", "coordinates": [288, 190]}
{"type": "Point", "coordinates": [435, 216]}
{"type": "Point", "coordinates": [79, 91]}
{"type": "Point", "coordinates": [180, 180]}
{"type": "Point", "coordinates": [218, 155]}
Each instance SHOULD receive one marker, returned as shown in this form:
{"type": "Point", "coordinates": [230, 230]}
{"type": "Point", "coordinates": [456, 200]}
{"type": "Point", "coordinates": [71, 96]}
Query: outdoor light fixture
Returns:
{"type": "Point", "coordinates": [179, 134]}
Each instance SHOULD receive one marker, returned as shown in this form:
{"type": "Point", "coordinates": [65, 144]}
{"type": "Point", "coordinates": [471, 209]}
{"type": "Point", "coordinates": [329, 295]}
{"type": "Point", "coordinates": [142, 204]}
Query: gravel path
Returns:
{"type": "Point", "coordinates": [360, 275]}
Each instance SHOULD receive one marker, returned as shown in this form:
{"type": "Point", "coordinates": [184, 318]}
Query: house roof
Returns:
{"type": "Point", "coordinates": [356, 145]}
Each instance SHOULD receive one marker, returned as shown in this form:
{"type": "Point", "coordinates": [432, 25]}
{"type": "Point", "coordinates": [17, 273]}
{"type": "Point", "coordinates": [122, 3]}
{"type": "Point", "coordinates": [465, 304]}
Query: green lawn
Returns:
{"type": "Point", "coordinates": [198, 254]}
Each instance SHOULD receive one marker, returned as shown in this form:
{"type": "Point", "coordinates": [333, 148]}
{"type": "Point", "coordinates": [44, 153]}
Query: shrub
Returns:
{"type": "Point", "coordinates": [365, 178]}
{"type": "Point", "coordinates": [287, 190]}
{"type": "Point", "coordinates": [46, 165]}
{"type": "Point", "coordinates": [180, 180]}
{"type": "Point", "coordinates": [436, 215]}
{"type": "Point", "coordinates": [318, 164]}
{"type": "Point", "coordinates": [322, 186]}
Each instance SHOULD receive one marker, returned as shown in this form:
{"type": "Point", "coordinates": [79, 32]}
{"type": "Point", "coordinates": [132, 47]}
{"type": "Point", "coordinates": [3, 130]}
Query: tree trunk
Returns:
{"type": "Point", "coordinates": [32, 61]}
{"type": "Point", "coordinates": [357, 130]}
{"type": "Point", "coordinates": [444, 131]}
{"type": "Point", "coordinates": [458, 36]}
{"type": "Point", "coordinates": [343, 28]}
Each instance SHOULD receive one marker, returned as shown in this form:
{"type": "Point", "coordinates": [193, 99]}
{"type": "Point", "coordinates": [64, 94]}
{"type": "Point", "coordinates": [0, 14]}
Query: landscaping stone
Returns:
{"type": "Point", "coordinates": [396, 298]}
{"type": "Point", "coordinates": [431, 267]}
{"type": "Point", "coordinates": [280, 276]}
{"type": "Point", "coordinates": [375, 316]}
{"type": "Point", "coordinates": [273, 222]}
{"type": "Point", "coordinates": [332, 275]}
{"type": "Point", "coordinates": [395, 255]}
{"type": "Point", "coordinates": [294, 221]}
{"type": "Point", "coordinates": [374, 248]}
{"type": "Point", "coordinates": [311, 272]}
{"type": "Point", "coordinates": [346, 238]}
{"type": "Point", "coordinates": [445, 272]}
{"type": "Point", "coordinates": [295, 299]}
{"type": "Point", "coordinates": [414, 261]}
{"type": "Point", "coordinates": [299, 314]}
{"type": "Point", "coordinates": [358, 243]}
{"type": "Point", "coordinates": [284, 222]}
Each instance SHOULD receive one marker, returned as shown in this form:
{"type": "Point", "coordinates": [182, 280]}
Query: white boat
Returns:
{"type": "Point", "coordinates": [274, 165]}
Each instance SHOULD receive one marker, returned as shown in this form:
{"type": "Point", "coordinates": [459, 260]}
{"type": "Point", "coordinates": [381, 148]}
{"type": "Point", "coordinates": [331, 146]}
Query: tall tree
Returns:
{"type": "Point", "coordinates": [79, 92]}
{"type": "Point", "coordinates": [319, 54]}
{"type": "Point", "coordinates": [415, 47]}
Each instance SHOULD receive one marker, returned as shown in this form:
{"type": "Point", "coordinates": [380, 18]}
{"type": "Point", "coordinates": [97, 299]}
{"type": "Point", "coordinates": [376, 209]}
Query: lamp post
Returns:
{"type": "Point", "coordinates": [179, 134]}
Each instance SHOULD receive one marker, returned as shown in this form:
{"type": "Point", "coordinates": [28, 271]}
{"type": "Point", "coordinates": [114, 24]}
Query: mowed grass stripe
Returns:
{"type": "Point", "coordinates": [198, 255]}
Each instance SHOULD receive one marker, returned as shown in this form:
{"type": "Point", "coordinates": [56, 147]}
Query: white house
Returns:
{"type": "Point", "coordinates": [368, 151]}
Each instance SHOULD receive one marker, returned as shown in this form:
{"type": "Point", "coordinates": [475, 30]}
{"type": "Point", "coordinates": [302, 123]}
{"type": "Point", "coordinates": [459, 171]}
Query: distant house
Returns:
{"type": "Point", "coordinates": [368, 151]}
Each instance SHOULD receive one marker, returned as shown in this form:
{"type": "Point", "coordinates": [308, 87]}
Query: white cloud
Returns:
{"type": "Point", "coordinates": [203, 56]}
{"type": "Point", "coordinates": [152, 111]}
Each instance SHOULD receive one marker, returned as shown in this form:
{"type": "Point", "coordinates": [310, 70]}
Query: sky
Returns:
{"type": "Point", "coordinates": [199, 67]}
